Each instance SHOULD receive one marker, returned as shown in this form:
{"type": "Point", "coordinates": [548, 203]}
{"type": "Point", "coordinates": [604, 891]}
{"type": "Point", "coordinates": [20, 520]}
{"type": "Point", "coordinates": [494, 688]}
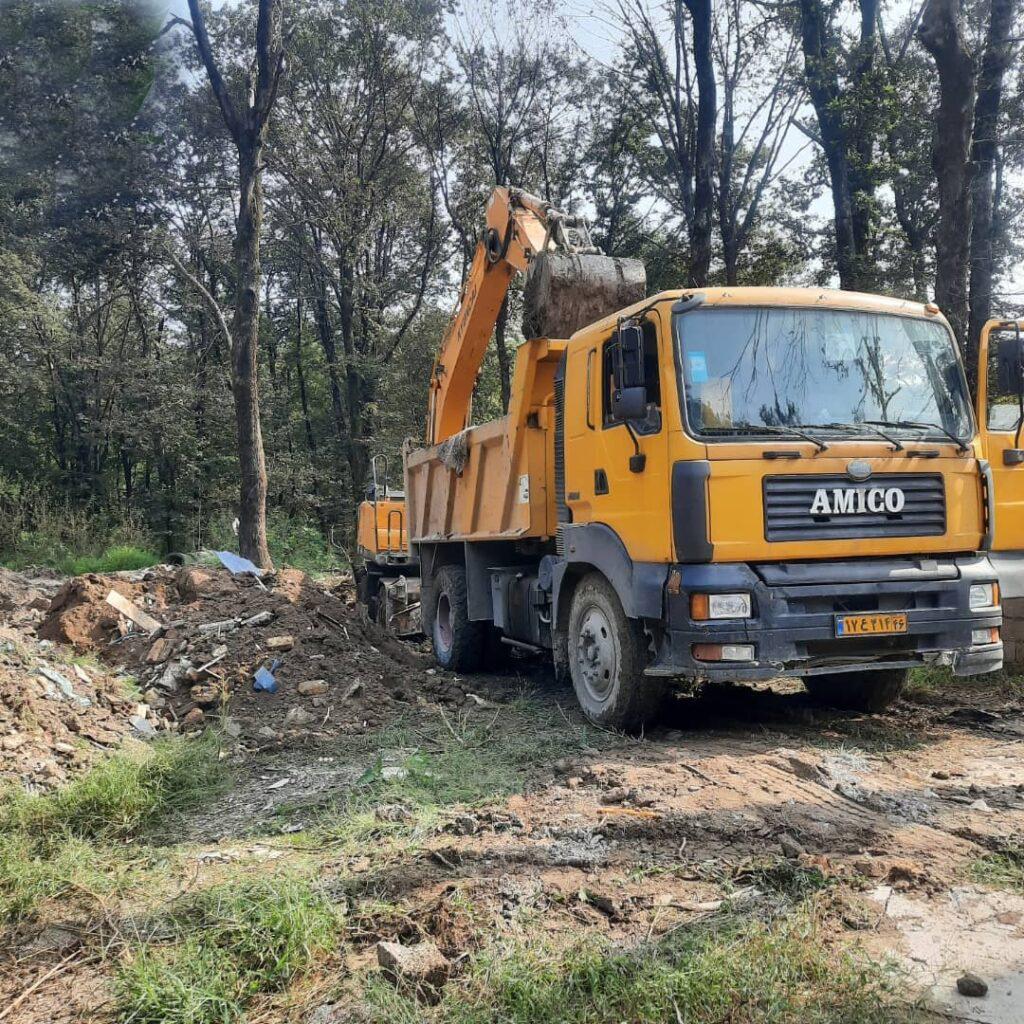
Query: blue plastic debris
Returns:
{"type": "Point", "coordinates": [236, 563]}
{"type": "Point", "coordinates": [264, 678]}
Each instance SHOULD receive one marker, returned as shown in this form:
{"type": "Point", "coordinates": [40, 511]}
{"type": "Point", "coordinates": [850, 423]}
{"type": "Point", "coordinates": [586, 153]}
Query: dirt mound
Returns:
{"type": "Point", "coordinates": [24, 598]}
{"type": "Point", "coordinates": [56, 717]}
{"type": "Point", "coordinates": [332, 672]}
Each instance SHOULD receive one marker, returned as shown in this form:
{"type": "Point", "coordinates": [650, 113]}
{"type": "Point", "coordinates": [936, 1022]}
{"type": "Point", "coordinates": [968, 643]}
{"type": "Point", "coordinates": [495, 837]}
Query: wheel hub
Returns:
{"type": "Point", "coordinates": [595, 653]}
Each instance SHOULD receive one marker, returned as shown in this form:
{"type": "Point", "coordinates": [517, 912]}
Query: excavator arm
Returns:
{"type": "Point", "coordinates": [519, 227]}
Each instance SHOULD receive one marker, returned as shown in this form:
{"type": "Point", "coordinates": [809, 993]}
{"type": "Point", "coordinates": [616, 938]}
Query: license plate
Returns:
{"type": "Point", "coordinates": [866, 625]}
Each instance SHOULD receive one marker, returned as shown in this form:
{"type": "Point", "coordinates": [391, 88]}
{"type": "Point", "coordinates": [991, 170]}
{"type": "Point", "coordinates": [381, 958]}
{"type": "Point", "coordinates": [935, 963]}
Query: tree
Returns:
{"type": "Point", "coordinates": [942, 35]}
{"type": "Point", "coordinates": [849, 102]}
{"type": "Point", "coordinates": [248, 123]}
{"type": "Point", "coordinates": [984, 146]}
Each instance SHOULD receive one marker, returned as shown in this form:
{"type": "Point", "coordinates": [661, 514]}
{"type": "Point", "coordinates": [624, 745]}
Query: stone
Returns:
{"type": "Point", "coordinates": [279, 643]}
{"type": "Point", "coordinates": [205, 694]}
{"type": "Point", "coordinates": [265, 732]}
{"type": "Point", "coordinates": [313, 687]}
{"type": "Point", "coordinates": [232, 727]}
{"type": "Point", "coordinates": [616, 795]}
{"type": "Point", "coordinates": [419, 970]}
{"type": "Point", "coordinates": [142, 727]}
{"type": "Point", "coordinates": [12, 741]}
{"type": "Point", "coordinates": [63, 748]}
{"type": "Point", "coordinates": [160, 651]}
{"type": "Point", "coordinates": [154, 698]}
{"type": "Point", "coordinates": [980, 805]}
{"type": "Point", "coordinates": [391, 772]}
{"type": "Point", "coordinates": [790, 847]}
{"type": "Point", "coordinates": [298, 717]}
{"type": "Point", "coordinates": [969, 984]}
{"type": "Point", "coordinates": [564, 765]}
{"type": "Point", "coordinates": [392, 812]}
{"type": "Point", "coordinates": [195, 719]}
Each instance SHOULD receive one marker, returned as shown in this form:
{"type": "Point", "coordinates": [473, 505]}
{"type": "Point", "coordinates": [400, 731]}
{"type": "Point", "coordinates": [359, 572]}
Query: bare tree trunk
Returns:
{"type": "Point", "coordinates": [248, 128]}
{"type": "Point", "coordinates": [704, 156]}
{"type": "Point", "coordinates": [252, 508]}
{"type": "Point", "coordinates": [941, 34]}
{"type": "Point", "coordinates": [994, 62]}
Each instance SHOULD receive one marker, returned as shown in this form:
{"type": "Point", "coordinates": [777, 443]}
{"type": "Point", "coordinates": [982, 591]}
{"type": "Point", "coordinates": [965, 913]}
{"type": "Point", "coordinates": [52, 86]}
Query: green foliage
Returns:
{"type": "Point", "coordinates": [231, 943]}
{"type": "Point", "coordinates": [931, 680]}
{"type": "Point", "coordinates": [1001, 868]}
{"type": "Point", "coordinates": [125, 797]}
{"type": "Point", "coordinates": [730, 968]}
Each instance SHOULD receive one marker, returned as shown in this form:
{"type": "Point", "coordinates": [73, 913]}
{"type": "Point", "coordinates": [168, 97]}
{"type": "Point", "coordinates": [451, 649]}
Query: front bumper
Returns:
{"type": "Point", "coordinates": [792, 626]}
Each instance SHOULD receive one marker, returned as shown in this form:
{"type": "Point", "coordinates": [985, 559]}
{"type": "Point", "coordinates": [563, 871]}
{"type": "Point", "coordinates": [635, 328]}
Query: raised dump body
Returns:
{"type": "Point", "coordinates": [494, 481]}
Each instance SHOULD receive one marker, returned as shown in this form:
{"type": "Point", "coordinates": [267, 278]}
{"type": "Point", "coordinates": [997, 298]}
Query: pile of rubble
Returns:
{"type": "Point", "coordinates": [275, 659]}
{"type": "Point", "coordinates": [56, 716]}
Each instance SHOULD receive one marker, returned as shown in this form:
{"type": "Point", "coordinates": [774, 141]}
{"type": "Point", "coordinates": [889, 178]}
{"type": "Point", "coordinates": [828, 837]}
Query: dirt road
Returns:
{"type": "Point", "coordinates": [489, 815]}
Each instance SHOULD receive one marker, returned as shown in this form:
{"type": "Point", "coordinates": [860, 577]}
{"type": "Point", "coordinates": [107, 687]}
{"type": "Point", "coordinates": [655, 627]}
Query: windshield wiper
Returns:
{"type": "Point", "coordinates": [918, 425]}
{"type": "Point", "coordinates": [870, 426]}
{"type": "Point", "coordinates": [778, 428]}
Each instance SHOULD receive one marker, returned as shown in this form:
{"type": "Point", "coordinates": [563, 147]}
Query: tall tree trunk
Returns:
{"type": "Point", "coordinates": [941, 34]}
{"type": "Point", "coordinates": [823, 87]}
{"type": "Point", "coordinates": [704, 155]}
{"type": "Point", "coordinates": [862, 145]}
{"type": "Point", "coordinates": [252, 508]}
{"type": "Point", "coordinates": [994, 62]}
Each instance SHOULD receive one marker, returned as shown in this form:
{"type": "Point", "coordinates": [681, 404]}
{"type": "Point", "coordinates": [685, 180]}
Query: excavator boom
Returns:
{"type": "Point", "coordinates": [522, 231]}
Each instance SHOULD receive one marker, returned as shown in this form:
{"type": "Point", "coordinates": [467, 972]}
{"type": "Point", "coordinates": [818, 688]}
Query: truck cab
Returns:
{"type": "Point", "coordinates": [776, 482]}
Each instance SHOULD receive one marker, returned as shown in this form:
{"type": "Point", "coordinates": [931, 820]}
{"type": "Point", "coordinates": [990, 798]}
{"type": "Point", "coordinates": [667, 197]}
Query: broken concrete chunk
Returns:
{"type": "Point", "coordinates": [174, 675]}
{"type": "Point", "coordinates": [205, 693]}
{"type": "Point", "coordinates": [259, 619]}
{"type": "Point", "coordinates": [142, 727]}
{"type": "Point", "coordinates": [313, 687]}
{"type": "Point", "coordinates": [279, 643]}
{"type": "Point", "coordinates": [419, 970]}
{"type": "Point", "coordinates": [221, 626]}
{"type": "Point", "coordinates": [299, 717]}
{"type": "Point", "coordinates": [130, 610]}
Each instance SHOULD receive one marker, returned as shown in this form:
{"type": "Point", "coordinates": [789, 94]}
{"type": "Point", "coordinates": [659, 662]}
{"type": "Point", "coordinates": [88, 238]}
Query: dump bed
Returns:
{"type": "Point", "coordinates": [494, 481]}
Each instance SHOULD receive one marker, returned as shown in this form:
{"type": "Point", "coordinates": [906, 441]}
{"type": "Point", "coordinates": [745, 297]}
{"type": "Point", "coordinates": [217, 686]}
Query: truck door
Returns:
{"type": "Point", "coordinates": [619, 469]}
{"type": "Point", "coordinates": [1000, 426]}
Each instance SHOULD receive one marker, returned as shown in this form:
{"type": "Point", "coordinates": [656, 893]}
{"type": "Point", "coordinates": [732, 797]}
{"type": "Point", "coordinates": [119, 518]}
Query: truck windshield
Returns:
{"type": "Point", "coordinates": [757, 371]}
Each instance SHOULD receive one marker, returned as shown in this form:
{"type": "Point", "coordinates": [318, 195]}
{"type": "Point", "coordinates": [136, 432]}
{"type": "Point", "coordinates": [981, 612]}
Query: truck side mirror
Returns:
{"type": "Point", "coordinates": [629, 403]}
{"type": "Point", "coordinates": [1010, 363]}
{"type": "Point", "coordinates": [629, 357]}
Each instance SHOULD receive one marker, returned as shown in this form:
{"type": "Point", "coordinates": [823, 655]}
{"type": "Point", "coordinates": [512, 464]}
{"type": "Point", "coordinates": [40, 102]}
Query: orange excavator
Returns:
{"type": "Point", "coordinates": [569, 283]}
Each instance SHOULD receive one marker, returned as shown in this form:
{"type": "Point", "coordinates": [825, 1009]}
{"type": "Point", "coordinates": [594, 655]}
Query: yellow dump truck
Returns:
{"type": "Point", "coordinates": [731, 483]}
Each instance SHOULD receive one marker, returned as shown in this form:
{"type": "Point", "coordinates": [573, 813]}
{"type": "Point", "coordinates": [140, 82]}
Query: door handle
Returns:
{"type": "Point", "coordinates": [600, 481]}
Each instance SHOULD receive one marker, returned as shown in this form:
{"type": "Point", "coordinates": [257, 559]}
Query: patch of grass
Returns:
{"type": "Point", "coordinates": [114, 559]}
{"type": "Point", "coordinates": [932, 680]}
{"type": "Point", "coordinates": [124, 797]}
{"type": "Point", "coordinates": [230, 943]}
{"type": "Point", "coordinates": [729, 968]}
{"type": "Point", "coordinates": [1001, 868]}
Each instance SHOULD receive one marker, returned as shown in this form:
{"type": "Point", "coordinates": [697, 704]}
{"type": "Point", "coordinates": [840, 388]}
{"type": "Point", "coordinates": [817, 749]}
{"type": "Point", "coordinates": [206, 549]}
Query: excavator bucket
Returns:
{"type": "Point", "coordinates": [567, 291]}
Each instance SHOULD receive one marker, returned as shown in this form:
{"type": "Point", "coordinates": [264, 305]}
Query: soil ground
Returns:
{"type": "Point", "coordinates": [491, 811]}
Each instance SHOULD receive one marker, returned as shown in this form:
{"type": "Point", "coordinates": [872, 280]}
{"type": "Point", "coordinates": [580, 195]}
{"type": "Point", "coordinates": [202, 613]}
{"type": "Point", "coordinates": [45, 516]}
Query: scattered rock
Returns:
{"type": "Point", "coordinates": [279, 643]}
{"type": "Point", "coordinates": [790, 847]}
{"type": "Point", "coordinates": [160, 651]}
{"type": "Point", "coordinates": [299, 717]}
{"type": "Point", "coordinates": [232, 727]}
{"type": "Point", "coordinates": [313, 687]}
{"type": "Point", "coordinates": [969, 984]}
{"type": "Point", "coordinates": [205, 694]}
{"type": "Point", "coordinates": [195, 719]}
{"type": "Point", "coordinates": [980, 805]}
{"type": "Point", "coordinates": [615, 795]}
{"type": "Point", "coordinates": [419, 970]}
{"type": "Point", "coordinates": [142, 727]}
{"type": "Point", "coordinates": [11, 741]}
{"type": "Point", "coordinates": [392, 812]}
{"type": "Point", "coordinates": [940, 775]}
{"type": "Point", "coordinates": [391, 772]}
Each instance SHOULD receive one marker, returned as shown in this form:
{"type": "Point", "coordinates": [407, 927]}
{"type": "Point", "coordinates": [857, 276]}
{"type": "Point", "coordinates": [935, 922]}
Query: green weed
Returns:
{"type": "Point", "coordinates": [114, 559]}
{"type": "Point", "coordinates": [231, 943]}
{"type": "Point", "coordinates": [1001, 868]}
{"type": "Point", "coordinates": [124, 797]}
{"type": "Point", "coordinates": [726, 969]}
{"type": "Point", "coordinates": [936, 681]}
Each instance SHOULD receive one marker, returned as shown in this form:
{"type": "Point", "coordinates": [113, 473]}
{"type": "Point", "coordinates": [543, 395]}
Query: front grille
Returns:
{"type": "Point", "coordinates": [788, 503]}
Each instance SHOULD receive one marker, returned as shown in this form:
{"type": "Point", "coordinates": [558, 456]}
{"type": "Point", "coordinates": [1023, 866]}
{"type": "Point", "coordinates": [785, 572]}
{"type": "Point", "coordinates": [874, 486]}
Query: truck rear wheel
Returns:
{"type": "Point", "coordinates": [864, 690]}
{"type": "Point", "coordinates": [607, 655]}
{"type": "Point", "coordinates": [458, 642]}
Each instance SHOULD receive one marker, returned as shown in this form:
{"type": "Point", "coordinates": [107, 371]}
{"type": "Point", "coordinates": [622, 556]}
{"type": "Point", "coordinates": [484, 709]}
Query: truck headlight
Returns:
{"type": "Point", "coordinates": [984, 595]}
{"type": "Point", "coordinates": [719, 606]}
{"type": "Point", "coordinates": [985, 636]}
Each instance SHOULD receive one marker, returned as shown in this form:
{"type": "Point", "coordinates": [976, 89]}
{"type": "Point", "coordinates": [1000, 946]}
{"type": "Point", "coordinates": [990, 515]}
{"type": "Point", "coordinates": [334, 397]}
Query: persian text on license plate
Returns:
{"type": "Point", "coordinates": [865, 625]}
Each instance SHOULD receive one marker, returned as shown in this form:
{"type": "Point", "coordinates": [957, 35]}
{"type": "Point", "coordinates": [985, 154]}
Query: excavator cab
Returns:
{"type": "Point", "coordinates": [387, 582]}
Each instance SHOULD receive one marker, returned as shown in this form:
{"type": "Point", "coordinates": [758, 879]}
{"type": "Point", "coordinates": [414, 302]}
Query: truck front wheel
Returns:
{"type": "Point", "coordinates": [858, 691]}
{"type": "Point", "coordinates": [607, 656]}
{"type": "Point", "coordinates": [458, 642]}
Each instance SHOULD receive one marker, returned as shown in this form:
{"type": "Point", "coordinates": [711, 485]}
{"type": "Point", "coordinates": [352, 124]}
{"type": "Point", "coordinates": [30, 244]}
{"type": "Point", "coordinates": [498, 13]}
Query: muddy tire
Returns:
{"type": "Point", "coordinates": [857, 691]}
{"type": "Point", "coordinates": [607, 655]}
{"type": "Point", "coordinates": [380, 612]}
{"type": "Point", "coordinates": [458, 642]}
